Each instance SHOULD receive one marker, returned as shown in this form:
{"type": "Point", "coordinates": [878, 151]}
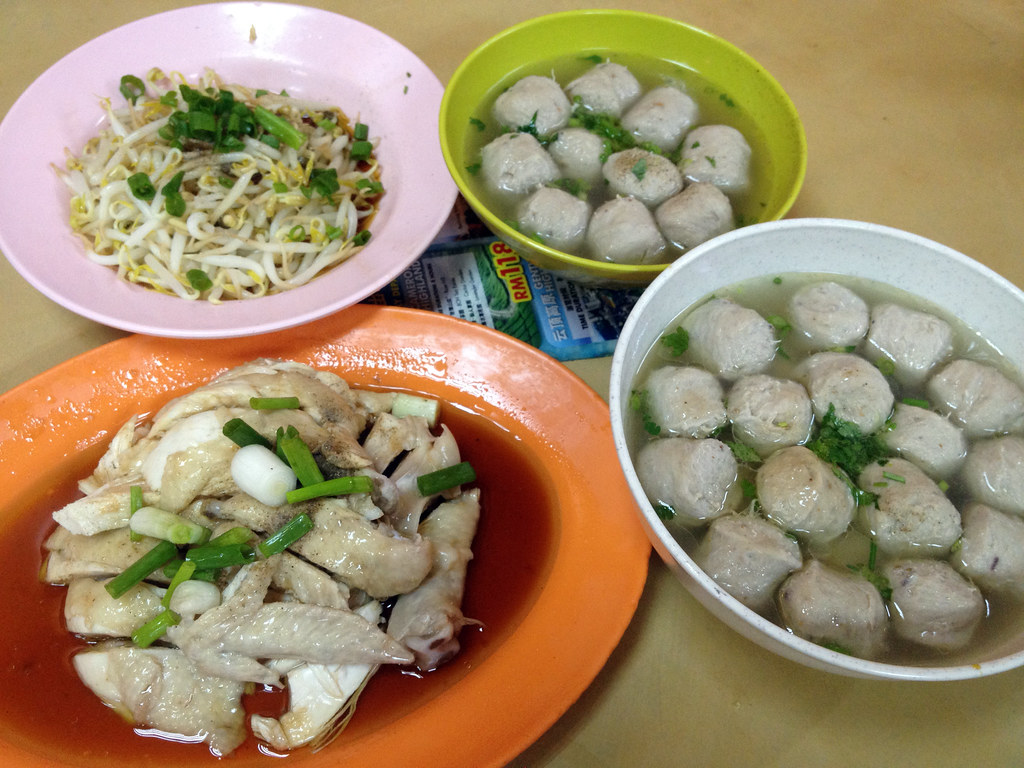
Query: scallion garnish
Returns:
{"type": "Point", "coordinates": [894, 477]}
{"type": "Point", "coordinates": [209, 557]}
{"type": "Point", "coordinates": [361, 132]}
{"type": "Point", "coordinates": [199, 279]}
{"type": "Point", "coordinates": [184, 573]}
{"type": "Point", "coordinates": [135, 503]}
{"type": "Point", "coordinates": [208, 574]}
{"type": "Point", "coordinates": [369, 187]}
{"type": "Point", "coordinates": [336, 486]}
{"type": "Point", "coordinates": [279, 127]}
{"type": "Point", "coordinates": [445, 478]}
{"type": "Point", "coordinates": [141, 187]}
{"type": "Point", "coordinates": [917, 402]}
{"type": "Point", "coordinates": [287, 535]}
{"type": "Point", "coordinates": [155, 628]}
{"type": "Point", "coordinates": [161, 524]}
{"type": "Point", "coordinates": [141, 568]}
{"type": "Point", "coordinates": [132, 88]}
{"type": "Point", "coordinates": [241, 434]}
{"type": "Point", "coordinates": [174, 203]}
{"type": "Point", "coordinates": [273, 403]}
{"type": "Point", "coordinates": [361, 238]}
{"type": "Point", "coordinates": [292, 448]}
{"type": "Point", "coordinates": [360, 150]}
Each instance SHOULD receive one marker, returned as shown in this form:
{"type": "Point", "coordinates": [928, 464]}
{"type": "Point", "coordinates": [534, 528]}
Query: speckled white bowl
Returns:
{"type": "Point", "coordinates": [988, 303]}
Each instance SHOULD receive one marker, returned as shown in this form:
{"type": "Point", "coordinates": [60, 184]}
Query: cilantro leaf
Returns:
{"type": "Point", "coordinates": [842, 443]}
{"type": "Point", "coordinates": [678, 341]}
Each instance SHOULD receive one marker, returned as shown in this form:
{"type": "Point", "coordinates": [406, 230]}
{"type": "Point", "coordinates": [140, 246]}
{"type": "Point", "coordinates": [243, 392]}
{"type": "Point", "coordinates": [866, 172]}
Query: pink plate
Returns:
{"type": "Point", "coordinates": [308, 52]}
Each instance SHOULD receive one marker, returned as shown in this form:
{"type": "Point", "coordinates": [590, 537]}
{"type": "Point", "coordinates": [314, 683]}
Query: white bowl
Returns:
{"type": "Point", "coordinates": [986, 302]}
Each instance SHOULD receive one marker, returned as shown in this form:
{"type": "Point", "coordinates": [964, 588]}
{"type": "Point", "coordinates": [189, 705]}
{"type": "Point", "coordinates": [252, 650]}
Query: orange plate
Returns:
{"type": "Point", "coordinates": [555, 580]}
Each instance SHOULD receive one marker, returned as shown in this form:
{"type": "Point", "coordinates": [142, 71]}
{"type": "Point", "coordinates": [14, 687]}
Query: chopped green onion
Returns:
{"type": "Point", "coordinates": [135, 503]}
{"type": "Point", "coordinates": [226, 181]}
{"type": "Point", "coordinates": [297, 233]}
{"type": "Point", "coordinates": [161, 524]}
{"type": "Point", "coordinates": [332, 232]}
{"type": "Point", "coordinates": [199, 280]}
{"type": "Point", "coordinates": [361, 132]}
{"type": "Point", "coordinates": [279, 127]}
{"type": "Point", "coordinates": [916, 402]}
{"type": "Point", "coordinates": [443, 479]}
{"type": "Point", "coordinates": [369, 186]}
{"type": "Point", "coordinates": [280, 187]}
{"type": "Point", "coordinates": [231, 537]}
{"type": "Point", "coordinates": [169, 99]}
{"type": "Point", "coordinates": [324, 181]}
{"type": "Point", "coordinates": [894, 477]}
{"type": "Point", "coordinates": [141, 568]}
{"type": "Point", "coordinates": [207, 557]}
{"type": "Point", "coordinates": [336, 486]}
{"type": "Point", "coordinates": [273, 403]}
{"type": "Point", "coordinates": [174, 203]}
{"type": "Point", "coordinates": [241, 434]}
{"type": "Point", "coordinates": [299, 457]}
{"type": "Point", "coordinates": [360, 150]}
{"type": "Point", "coordinates": [132, 88]}
{"type": "Point", "coordinates": [155, 628]}
{"type": "Point", "coordinates": [141, 187]}
{"type": "Point", "coordinates": [361, 238]}
{"type": "Point", "coordinates": [287, 535]}
{"type": "Point", "coordinates": [208, 574]}
{"type": "Point", "coordinates": [886, 366]}
{"type": "Point", "coordinates": [184, 573]}
{"type": "Point", "coordinates": [480, 125]}
{"type": "Point", "coordinates": [405, 404]}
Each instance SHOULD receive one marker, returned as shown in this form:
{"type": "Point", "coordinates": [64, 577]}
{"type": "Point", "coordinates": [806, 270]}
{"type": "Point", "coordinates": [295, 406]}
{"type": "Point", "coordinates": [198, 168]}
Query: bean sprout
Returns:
{"type": "Point", "coordinates": [253, 224]}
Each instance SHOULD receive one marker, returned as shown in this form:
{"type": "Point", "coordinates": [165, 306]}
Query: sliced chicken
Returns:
{"type": "Point", "coordinates": [73, 555]}
{"type": "Point", "coordinates": [90, 610]}
{"type": "Point", "coordinates": [428, 619]}
{"type": "Point", "coordinates": [159, 688]}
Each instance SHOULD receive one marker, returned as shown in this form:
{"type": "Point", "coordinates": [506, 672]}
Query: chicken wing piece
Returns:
{"type": "Point", "coordinates": [228, 641]}
{"type": "Point", "coordinates": [428, 619]}
{"type": "Point", "coordinates": [159, 688]}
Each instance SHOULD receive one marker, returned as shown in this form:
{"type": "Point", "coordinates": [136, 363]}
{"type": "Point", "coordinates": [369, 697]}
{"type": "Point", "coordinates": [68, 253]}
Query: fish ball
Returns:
{"type": "Point", "coordinates": [516, 163]}
{"type": "Point", "coordinates": [623, 231]}
{"type": "Point", "coordinates": [769, 413]}
{"type": "Point", "coordinates": [698, 213]}
{"type": "Point", "coordinates": [748, 557]}
{"type": "Point", "coordinates": [977, 398]}
{"type": "Point", "coordinates": [662, 116]}
{"type": "Point", "coordinates": [730, 340]}
{"type": "Point", "coordinates": [857, 389]}
{"type": "Point", "coordinates": [719, 155]}
{"type": "Point", "coordinates": [685, 400]}
{"type": "Point", "coordinates": [916, 342]}
{"type": "Point", "coordinates": [555, 218]}
{"type": "Point", "coordinates": [933, 605]}
{"type": "Point", "coordinates": [991, 552]}
{"type": "Point", "coordinates": [927, 438]}
{"type": "Point", "coordinates": [994, 473]}
{"type": "Point", "coordinates": [535, 100]}
{"type": "Point", "coordinates": [691, 477]}
{"type": "Point", "coordinates": [827, 315]}
{"type": "Point", "coordinates": [579, 154]}
{"type": "Point", "coordinates": [608, 88]}
{"type": "Point", "coordinates": [638, 173]}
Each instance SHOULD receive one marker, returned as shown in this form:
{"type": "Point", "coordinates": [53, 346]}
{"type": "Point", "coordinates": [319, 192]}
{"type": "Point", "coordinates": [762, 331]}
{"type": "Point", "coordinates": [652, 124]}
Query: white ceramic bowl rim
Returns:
{"type": "Point", "coordinates": [868, 247]}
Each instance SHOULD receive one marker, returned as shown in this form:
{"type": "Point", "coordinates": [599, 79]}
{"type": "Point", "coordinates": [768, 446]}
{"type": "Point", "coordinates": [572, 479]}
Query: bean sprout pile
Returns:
{"type": "Point", "coordinates": [287, 196]}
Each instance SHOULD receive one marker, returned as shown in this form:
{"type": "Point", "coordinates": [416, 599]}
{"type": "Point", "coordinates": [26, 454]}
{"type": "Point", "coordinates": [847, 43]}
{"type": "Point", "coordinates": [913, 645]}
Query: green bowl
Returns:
{"type": "Point", "coordinates": [524, 49]}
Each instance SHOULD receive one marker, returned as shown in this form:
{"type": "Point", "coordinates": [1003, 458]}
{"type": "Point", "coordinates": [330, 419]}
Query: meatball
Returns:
{"type": "Point", "coordinates": [827, 315]}
{"type": "Point", "coordinates": [994, 473]}
{"type": "Point", "coordinates": [856, 388]}
{"type": "Point", "coordinates": [698, 213]}
{"type": "Point", "coordinates": [662, 116]}
{"type": "Point", "coordinates": [555, 218]}
{"type": "Point", "coordinates": [719, 155]}
{"type": "Point", "coordinates": [691, 477]}
{"type": "Point", "coordinates": [648, 177]}
{"type": "Point", "coordinates": [748, 557]}
{"type": "Point", "coordinates": [623, 231]}
{"type": "Point", "coordinates": [916, 342]}
{"type": "Point", "coordinates": [933, 605]}
{"type": "Point", "coordinates": [991, 551]}
{"type": "Point", "coordinates": [607, 88]}
{"type": "Point", "coordinates": [928, 439]}
{"type": "Point", "coordinates": [685, 400]}
{"type": "Point", "coordinates": [535, 100]}
{"type": "Point", "coordinates": [803, 495]}
{"type": "Point", "coordinates": [516, 163]}
{"type": "Point", "coordinates": [730, 340]}
{"type": "Point", "coordinates": [579, 154]}
{"type": "Point", "coordinates": [768, 413]}
{"type": "Point", "coordinates": [834, 608]}
{"type": "Point", "coordinates": [978, 398]}
{"type": "Point", "coordinates": [912, 516]}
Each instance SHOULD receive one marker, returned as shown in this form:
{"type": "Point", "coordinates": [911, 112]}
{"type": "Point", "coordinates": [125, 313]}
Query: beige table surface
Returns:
{"type": "Point", "coordinates": [914, 112]}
